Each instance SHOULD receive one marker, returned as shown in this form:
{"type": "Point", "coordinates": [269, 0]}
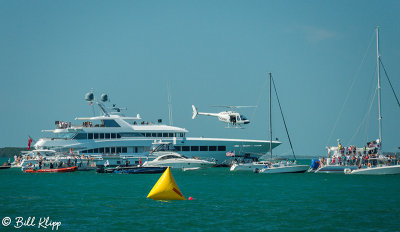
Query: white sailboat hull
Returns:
{"type": "Point", "coordinates": [248, 166]}
{"type": "Point", "coordinates": [384, 170]}
{"type": "Point", "coordinates": [286, 169]}
{"type": "Point", "coordinates": [335, 168]}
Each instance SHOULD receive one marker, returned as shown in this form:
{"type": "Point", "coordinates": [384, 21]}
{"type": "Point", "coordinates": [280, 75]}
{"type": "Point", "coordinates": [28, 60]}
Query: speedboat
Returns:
{"type": "Point", "coordinates": [176, 160]}
{"type": "Point", "coordinates": [132, 170]}
{"type": "Point", "coordinates": [49, 170]}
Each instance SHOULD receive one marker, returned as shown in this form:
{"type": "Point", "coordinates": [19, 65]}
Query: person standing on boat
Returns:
{"type": "Point", "coordinates": [140, 162]}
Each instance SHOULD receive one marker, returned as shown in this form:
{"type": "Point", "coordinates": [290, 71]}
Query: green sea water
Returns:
{"type": "Point", "coordinates": [223, 201]}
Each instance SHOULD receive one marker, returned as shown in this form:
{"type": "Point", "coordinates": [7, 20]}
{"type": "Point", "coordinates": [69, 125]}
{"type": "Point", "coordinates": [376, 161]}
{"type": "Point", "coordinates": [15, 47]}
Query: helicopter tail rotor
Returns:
{"type": "Point", "coordinates": [194, 112]}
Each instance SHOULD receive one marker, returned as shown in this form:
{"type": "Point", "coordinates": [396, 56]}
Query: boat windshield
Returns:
{"type": "Point", "coordinates": [63, 135]}
{"type": "Point", "coordinates": [171, 157]}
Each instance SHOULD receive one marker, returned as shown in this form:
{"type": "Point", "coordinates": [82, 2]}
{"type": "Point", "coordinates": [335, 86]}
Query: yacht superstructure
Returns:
{"type": "Point", "coordinates": [115, 134]}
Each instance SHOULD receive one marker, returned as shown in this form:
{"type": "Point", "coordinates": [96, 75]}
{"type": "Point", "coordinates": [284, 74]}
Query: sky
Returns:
{"type": "Point", "coordinates": [322, 56]}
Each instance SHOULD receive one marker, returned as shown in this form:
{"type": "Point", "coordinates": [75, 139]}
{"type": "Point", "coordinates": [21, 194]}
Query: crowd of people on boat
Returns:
{"type": "Point", "coordinates": [39, 161]}
{"type": "Point", "coordinates": [351, 156]}
{"type": "Point", "coordinates": [63, 125]}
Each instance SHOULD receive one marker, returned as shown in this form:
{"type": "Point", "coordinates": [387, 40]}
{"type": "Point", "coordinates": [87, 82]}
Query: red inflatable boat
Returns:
{"type": "Point", "coordinates": [68, 169]}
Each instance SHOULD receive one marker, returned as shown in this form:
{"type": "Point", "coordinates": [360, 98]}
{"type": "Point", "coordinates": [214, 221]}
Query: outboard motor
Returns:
{"type": "Point", "coordinates": [100, 168]}
{"type": "Point", "coordinates": [315, 164]}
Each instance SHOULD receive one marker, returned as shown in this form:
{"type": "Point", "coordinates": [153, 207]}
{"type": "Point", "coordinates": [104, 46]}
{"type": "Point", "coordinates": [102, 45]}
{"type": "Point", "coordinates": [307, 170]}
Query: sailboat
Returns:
{"type": "Point", "coordinates": [379, 164]}
{"type": "Point", "coordinates": [284, 166]}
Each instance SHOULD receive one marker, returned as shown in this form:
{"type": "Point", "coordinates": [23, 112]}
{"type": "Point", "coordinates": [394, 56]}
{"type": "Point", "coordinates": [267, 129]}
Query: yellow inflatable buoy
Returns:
{"type": "Point", "coordinates": [166, 188]}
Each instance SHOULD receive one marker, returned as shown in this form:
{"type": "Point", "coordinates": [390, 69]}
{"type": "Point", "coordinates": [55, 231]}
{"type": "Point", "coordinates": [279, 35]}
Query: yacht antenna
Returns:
{"type": "Point", "coordinates": [379, 89]}
{"type": "Point", "coordinates": [270, 116]}
{"type": "Point", "coordinates": [171, 123]}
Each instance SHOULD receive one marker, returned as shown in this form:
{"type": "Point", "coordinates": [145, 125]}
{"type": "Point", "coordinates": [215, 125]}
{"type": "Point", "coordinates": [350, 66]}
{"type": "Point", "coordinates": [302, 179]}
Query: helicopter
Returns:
{"type": "Point", "coordinates": [231, 117]}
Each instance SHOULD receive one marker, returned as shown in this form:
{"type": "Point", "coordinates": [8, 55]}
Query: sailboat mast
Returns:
{"type": "Point", "coordinates": [270, 114]}
{"type": "Point", "coordinates": [379, 89]}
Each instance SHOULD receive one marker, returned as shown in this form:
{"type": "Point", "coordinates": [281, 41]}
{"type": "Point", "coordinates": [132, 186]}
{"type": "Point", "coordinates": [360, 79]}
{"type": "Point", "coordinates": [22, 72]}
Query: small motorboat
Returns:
{"type": "Point", "coordinates": [48, 170]}
{"type": "Point", "coordinates": [131, 170]}
{"type": "Point", "coordinates": [176, 160]}
{"type": "Point", "coordinates": [6, 165]}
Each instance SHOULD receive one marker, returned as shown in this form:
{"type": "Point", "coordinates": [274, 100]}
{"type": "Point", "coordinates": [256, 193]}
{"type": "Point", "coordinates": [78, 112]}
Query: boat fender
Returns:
{"type": "Point", "coordinates": [347, 171]}
{"type": "Point", "coordinates": [315, 164]}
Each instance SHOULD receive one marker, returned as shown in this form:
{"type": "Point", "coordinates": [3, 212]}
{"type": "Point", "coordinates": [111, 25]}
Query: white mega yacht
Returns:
{"type": "Point", "coordinates": [112, 134]}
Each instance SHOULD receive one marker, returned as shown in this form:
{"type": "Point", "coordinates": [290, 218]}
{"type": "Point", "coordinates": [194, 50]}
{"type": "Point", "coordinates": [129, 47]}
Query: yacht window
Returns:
{"type": "Point", "coordinates": [113, 135]}
{"type": "Point", "coordinates": [136, 150]}
{"type": "Point", "coordinates": [84, 151]}
{"type": "Point", "coordinates": [96, 135]}
{"type": "Point", "coordinates": [81, 136]}
{"type": "Point", "coordinates": [194, 148]}
{"type": "Point", "coordinates": [185, 148]}
{"type": "Point", "coordinates": [165, 135]}
{"type": "Point", "coordinates": [110, 123]}
{"type": "Point", "coordinates": [178, 148]}
{"type": "Point", "coordinates": [119, 149]}
{"type": "Point", "coordinates": [101, 135]}
{"type": "Point", "coordinates": [118, 136]}
{"type": "Point", "coordinates": [153, 135]}
{"type": "Point", "coordinates": [159, 135]}
{"type": "Point", "coordinates": [90, 136]}
{"type": "Point", "coordinates": [90, 151]}
{"type": "Point", "coordinates": [107, 150]}
{"type": "Point", "coordinates": [118, 162]}
{"type": "Point", "coordinates": [101, 150]}
{"type": "Point", "coordinates": [113, 150]}
{"type": "Point", "coordinates": [124, 150]}
{"type": "Point", "coordinates": [171, 134]}
{"type": "Point", "coordinates": [96, 150]}
{"type": "Point", "coordinates": [107, 135]}
{"type": "Point", "coordinates": [213, 148]}
{"type": "Point", "coordinates": [148, 134]}
{"type": "Point", "coordinates": [203, 148]}
{"type": "Point", "coordinates": [128, 134]}
{"type": "Point", "coordinates": [221, 148]}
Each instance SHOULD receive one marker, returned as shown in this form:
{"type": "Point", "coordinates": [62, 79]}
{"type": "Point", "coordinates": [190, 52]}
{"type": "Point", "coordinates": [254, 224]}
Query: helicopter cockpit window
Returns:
{"type": "Point", "coordinates": [237, 118]}
{"type": "Point", "coordinates": [243, 117]}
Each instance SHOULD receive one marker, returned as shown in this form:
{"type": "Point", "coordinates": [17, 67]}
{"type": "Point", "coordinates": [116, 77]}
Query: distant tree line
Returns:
{"type": "Point", "coordinates": [11, 151]}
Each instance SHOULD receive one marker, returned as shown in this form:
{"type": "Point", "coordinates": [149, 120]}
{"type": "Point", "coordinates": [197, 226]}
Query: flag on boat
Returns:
{"type": "Point", "coordinates": [29, 143]}
{"type": "Point", "coordinates": [230, 153]}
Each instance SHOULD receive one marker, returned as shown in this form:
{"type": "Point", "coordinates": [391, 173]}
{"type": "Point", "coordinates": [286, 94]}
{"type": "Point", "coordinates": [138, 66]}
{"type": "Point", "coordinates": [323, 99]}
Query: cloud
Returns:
{"type": "Point", "coordinates": [314, 34]}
